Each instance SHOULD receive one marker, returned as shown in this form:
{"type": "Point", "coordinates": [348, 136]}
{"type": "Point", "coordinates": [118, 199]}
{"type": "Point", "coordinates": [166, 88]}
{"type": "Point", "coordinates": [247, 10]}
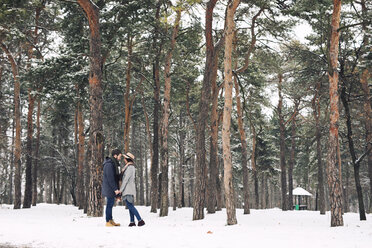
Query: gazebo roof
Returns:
{"type": "Point", "coordinates": [300, 191]}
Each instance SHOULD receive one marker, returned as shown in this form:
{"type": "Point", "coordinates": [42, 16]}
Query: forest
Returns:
{"type": "Point", "coordinates": [221, 103]}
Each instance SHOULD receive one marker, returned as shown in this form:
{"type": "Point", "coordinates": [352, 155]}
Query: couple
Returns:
{"type": "Point", "coordinates": [110, 186]}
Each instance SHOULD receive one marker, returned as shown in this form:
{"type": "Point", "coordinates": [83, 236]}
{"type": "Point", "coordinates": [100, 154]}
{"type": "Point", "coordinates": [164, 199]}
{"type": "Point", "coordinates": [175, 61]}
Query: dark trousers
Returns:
{"type": "Point", "coordinates": [109, 205]}
{"type": "Point", "coordinates": [132, 211]}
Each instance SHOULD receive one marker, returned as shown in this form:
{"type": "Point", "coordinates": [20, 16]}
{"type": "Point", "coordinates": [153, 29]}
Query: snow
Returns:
{"type": "Point", "coordinates": [48, 225]}
{"type": "Point", "coordinates": [300, 191]}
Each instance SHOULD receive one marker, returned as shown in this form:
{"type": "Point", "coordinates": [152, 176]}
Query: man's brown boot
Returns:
{"type": "Point", "coordinates": [109, 223]}
{"type": "Point", "coordinates": [113, 223]}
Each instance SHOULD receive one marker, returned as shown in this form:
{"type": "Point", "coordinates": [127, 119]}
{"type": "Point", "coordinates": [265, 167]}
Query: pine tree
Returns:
{"type": "Point", "coordinates": [333, 163]}
{"type": "Point", "coordinates": [228, 85]}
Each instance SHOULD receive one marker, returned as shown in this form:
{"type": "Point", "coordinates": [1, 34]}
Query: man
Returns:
{"type": "Point", "coordinates": [110, 183]}
{"type": "Point", "coordinates": [128, 189]}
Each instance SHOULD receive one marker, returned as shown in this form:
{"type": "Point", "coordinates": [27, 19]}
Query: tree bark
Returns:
{"type": "Point", "coordinates": [87, 174]}
{"type": "Point", "coordinates": [96, 109]}
{"type": "Point", "coordinates": [282, 147]}
{"type": "Point", "coordinates": [182, 161]}
{"type": "Point", "coordinates": [228, 85]}
{"type": "Point", "coordinates": [155, 144]}
{"type": "Point", "coordinates": [140, 173]}
{"type": "Point", "coordinates": [201, 166]}
{"type": "Point", "coordinates": [37, 155]}
{"type": "Point", "coordinates": [27, 201]}
{"type": "Point", "coordinates": [364, 78]}
{"type": "Point", "coordinates": [147, 177]}
{"type": "Point", "coordinates": [213, 180]}
{"type": "Point", "coordinates": [173, 185]}
{"type": "Point", "coordinates": [147, 126]}
{"type": "Point", "coordinates": [316, 112]}
{"type": "Point", "coordinates": [164, 202]}
{"type": "Point", "coordinates": [5, 157]}
{"type": "Point", "coordinates": [356, 164]}
{"type": "Point", "coordinates": [11, 166]}
{"type": "Point", "coordinates": [76, 143]}
{"type": "Point", "coordinates": [81, 157]}
{"type": "Point", "coordinates": [293, 156]}
{"type": "Point", "coordinates": [253, 164]}
{"type": "Point", "coordinates": [128, 110]}
{"type": "Point", "coordinates": [17, 117]}
{"type": "Point", "coordinates": [2, 109]}
{"type": "Point", "coordinates": [244, 149]}
{"type": "Point", "coordinates": [333, 170]}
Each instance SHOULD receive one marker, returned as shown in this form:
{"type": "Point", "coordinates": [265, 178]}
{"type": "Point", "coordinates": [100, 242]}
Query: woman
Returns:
{"type": "Point", "coordinates": [128, 188]}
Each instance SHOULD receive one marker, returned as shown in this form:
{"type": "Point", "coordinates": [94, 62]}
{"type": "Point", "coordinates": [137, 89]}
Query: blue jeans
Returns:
{"type": "Point", "coordinates": [132, 212]}
{"type": "Point", "coordinates": [110, 204]}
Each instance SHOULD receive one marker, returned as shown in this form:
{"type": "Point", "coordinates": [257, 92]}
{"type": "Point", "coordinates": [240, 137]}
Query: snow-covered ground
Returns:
{"type": "Point", "coordinates": [65, 226]}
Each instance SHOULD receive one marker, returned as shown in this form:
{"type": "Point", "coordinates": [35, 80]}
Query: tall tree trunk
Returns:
{"type": "Point", "coordinates": [282, 147]}
{"type": "Point", "coordinates": [346, 189]}
{"type": "Point", "coordinates": [253, 164]}
{"type": "Point", "coordinates": [219, 185]}
{"type": "Point", "coordinates": [164, 202]}
{"type": "Point", "coordinates": [210, 79]}
{"type": "Point", "coordinates": [140, 172]}
{"type": "Point", "coordinates": [155, 144]}
{"type": "Point", "coordinates": [49, 191]}
{"type": "Point", "coordinates": [10, 200]}
{"type": "Point", "coordinates": [3, 127]}
{"type": "Point", "coordinates": [293, 156]}
{"type": "Point", "coordinates": [4, 152]}
{"type": "Point", "coordinates": [37, 148]}
{"type": "Point", "coordinates": [96, 109]}
{"type": "Point", "coordinates": [128, 110]}
{"type": "Point", "coordinates": [244, 148]}
{"type": "Point", "coordinates": [134, 148]}
{"type": "Point", "coordinates": [213, 179]}
{"type": "Point", "coordinates": [264, 190]}
{"type": "Point", "coordinates": [147, 177]}
{"type": "Point", "coordinates": [356, 163]}
{"type": "Point", "coordinates": [76, 143]}
{"type": "Point", "coordinates": [147, 127]}
{"type": "Point", "coordinates": [17, 117]}
{"type": "Point", "coordinates": [55, 181]}
{"type": "Point", "coordinates": [364, 78]}
{"type": "Point", "coordinates": [27, 201]}
{"type": "Point", "coordinates": [228, 85]}
{"type": "Point", "coordinates": [333, 170]}
{"type": "Point", "coordinates": [181, 183]}
{"type": "Point", "coordinates": [87, 175]}
{"type": "Point", "coordinates": [191, 185]}
{"type": "Point", "coordinates": [147, 145]}
{"type": "Point", "coordinates": [81, 157]}
{"type": "Point", "coordinates": [316, 112]}
{"type": "Point", "coordinates": [173, 185]}
{"type": "Point", "coordinates": [201, 166]}
{"type": "Point", "coordinates": [291, 165]}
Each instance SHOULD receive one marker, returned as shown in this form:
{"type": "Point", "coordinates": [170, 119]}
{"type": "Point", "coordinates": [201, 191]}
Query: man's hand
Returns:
{"type": "Point", "coordinates": [117, 192]}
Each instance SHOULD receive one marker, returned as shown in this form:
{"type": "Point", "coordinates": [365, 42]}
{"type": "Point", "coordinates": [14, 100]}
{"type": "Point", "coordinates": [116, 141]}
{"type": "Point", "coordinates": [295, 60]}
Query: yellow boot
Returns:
{"type": "Point", "coordinates": [109, 223]}
{"type": "Point", "coordinates": [113, 223]}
